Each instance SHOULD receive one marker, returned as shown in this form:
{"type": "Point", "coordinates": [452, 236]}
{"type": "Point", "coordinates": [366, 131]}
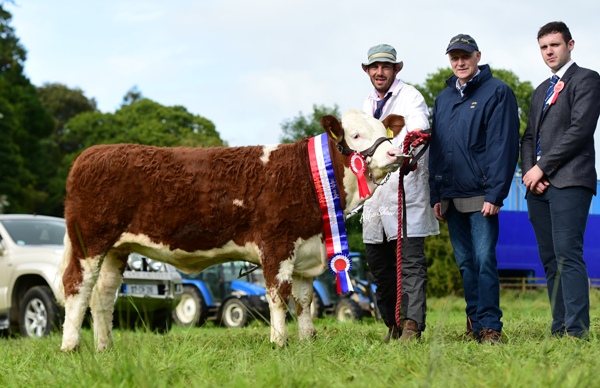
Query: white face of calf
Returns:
{"type": "Point", "coordinates": [361, 131]}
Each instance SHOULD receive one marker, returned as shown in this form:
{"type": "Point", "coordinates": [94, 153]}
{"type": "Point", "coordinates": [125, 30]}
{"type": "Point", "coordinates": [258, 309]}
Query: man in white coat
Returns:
{"type": "Point", "coordinates": [380, 212]}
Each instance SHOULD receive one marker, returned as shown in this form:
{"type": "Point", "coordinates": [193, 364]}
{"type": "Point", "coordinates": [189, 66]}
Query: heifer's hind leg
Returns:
{"type": "Point", "coordinates": [302, 291]}
{"type": "Point", "coordinates": [102, 302]}
{"type": "Point", "coordinates": [78, 280]}
{"type": "Point", "coordinates": [278, 296]}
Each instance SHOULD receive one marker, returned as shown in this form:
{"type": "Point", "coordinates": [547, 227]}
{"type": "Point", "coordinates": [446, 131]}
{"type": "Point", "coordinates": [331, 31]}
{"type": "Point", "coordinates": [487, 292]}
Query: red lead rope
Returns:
{"type": "Point", "coordinates": [411, 141]}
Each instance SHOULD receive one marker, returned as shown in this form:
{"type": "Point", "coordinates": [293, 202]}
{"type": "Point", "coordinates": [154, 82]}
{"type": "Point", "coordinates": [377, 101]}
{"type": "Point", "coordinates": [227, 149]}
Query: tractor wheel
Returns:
{"type": "Point", "coordinates": [347, 310]}
{"type": "Point", "coordinates": [234, 314]}
{"type": "Point", "coordinates": [191, 310]}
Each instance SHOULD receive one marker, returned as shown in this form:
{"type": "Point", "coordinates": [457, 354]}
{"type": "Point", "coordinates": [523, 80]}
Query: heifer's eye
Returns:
{"type": "Point", "coordinates": [355, 136]}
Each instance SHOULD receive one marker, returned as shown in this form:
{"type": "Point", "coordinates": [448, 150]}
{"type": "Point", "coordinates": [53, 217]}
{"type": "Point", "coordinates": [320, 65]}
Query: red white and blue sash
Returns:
{"type": "Point", "coordinates": [334, 229]}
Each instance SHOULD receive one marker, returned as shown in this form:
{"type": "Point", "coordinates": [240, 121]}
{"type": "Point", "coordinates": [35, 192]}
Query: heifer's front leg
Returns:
{"type": "Point", "coordinates": [77, 298]}
{"type": "Point", "coordinates": [102, 303]}
{"type": "Point", "coordinates": [302, 291]}
{"type": "Point", "coordinates": [278, 298]}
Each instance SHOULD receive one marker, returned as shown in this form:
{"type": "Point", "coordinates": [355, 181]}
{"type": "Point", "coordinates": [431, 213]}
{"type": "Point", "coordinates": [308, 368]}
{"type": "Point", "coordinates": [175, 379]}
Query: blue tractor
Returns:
{"type": "Point", "coordinates": [232, 294]}
{"type": "Point", "coordinates": [229, 294]}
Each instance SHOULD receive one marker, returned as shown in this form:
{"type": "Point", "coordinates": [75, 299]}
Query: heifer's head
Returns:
{"type": "Point", "coordinates": [363, 133]}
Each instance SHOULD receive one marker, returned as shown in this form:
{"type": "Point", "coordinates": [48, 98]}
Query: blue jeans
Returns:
{"type": "Point", "coordinates": [559, 218]}
{"type": "Point", "coordinates": [474, 239]}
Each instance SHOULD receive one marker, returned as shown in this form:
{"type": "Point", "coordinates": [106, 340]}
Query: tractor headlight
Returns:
{"type": "Point", "coordinates": [154, 265]}
{"type": "Point", "coordinates": [135, 261]}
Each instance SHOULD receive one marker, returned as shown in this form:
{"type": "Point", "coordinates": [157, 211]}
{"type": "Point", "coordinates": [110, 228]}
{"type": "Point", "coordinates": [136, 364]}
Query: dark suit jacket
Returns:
{"type": "Point", "coordinates": [567, 130]}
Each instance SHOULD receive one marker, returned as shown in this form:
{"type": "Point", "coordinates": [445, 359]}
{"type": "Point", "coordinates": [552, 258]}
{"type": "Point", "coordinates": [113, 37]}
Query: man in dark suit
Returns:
{"type": "Point", "coordinates": [558, 160]}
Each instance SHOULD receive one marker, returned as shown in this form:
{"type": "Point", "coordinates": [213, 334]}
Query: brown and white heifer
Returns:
{"type": "Point", "coordinates": [196, 207]}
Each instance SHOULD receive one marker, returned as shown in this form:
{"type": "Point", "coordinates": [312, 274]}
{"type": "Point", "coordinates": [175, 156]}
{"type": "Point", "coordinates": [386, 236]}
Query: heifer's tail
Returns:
{"type": "Point", "coordinates": [60, 297]}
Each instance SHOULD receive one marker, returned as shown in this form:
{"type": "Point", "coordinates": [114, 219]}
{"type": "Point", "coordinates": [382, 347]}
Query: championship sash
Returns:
{"type": "Point", "coordinates": [334, 229]}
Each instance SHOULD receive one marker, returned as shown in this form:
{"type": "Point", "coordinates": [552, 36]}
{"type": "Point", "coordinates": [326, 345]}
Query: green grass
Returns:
{"type": "Point", "coordinates": [342, 355]}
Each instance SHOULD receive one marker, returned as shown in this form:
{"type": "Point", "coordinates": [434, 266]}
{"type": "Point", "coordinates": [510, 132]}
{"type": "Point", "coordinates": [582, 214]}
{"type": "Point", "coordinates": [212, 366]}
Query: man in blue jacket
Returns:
{"type": "Point", "coordinates": [473, 154]}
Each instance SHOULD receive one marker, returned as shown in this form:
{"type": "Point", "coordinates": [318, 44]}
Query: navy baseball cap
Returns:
{"type": "Point", "coordinates": [462, 42]}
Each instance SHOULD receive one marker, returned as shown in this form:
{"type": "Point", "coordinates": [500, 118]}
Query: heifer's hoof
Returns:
{"type": "Point", "coordinates": [308, 336]}
{"type": "Point", "coordinates": [67, 348]}
{"type": "Point", "coordinates": [103, 347]}
{"type": "Point", "coordinates": [280, 345]}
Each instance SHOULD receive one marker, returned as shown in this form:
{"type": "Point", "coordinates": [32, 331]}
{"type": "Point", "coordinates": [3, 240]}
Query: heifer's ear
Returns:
{"type": "Point", "coordinates": [332, 127]}
{"type": "Point", "coordinates": [394, 123]}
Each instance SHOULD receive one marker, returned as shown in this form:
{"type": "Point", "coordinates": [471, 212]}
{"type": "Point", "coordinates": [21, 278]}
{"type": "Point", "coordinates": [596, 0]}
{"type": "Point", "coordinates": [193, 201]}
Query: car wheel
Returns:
{"type": "Point", "coordinates": [191, 310]}
{"type": "Point", "coordinates": [347, 310]}
{"type": "Point", "coordinates": [39, 313]}
{"type": "Point", "coordinates": [316, 307]}
{"type": "Point", "coordinates": [234, 314]}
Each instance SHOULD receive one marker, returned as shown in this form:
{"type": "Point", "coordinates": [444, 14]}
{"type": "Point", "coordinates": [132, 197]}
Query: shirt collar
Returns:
{"type": "Point", "coordinates": [561, 72]}
{"type": "Point", "coordinates": [392, 89]}
{"type": "Point", "coordinates": [460, 88]}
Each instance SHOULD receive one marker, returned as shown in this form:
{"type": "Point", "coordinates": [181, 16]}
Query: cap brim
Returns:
{"type": "Point", "coordinates": [462, 47]}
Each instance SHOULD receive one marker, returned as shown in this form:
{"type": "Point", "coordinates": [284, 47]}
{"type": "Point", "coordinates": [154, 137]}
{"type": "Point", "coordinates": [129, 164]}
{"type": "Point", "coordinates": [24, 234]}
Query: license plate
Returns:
{"type": "Point", "coordinates": [141, 289]}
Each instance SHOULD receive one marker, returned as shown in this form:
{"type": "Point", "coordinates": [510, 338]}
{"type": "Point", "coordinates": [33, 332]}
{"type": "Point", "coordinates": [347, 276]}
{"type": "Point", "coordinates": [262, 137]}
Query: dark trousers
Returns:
{"type": "Point", "coordinates": [382, 264]}
{"type": "Point", "coordinates": [559, 218]}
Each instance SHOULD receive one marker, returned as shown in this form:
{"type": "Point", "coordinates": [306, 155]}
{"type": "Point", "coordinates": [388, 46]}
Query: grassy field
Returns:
{"type": "Point", "coordinates": [342, 355]}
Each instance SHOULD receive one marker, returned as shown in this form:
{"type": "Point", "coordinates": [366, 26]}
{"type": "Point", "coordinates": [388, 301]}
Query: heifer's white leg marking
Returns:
{"type": "Point", "coordinates": [75, 305]}
{"type": "Point", "coordinates": [278, 308]}
{"type": "Point", "coordinates": [302, 290]}
{"type": "Point", "coordinates": [278, 303]}
{"type": "Point", "coordinates": [102, 302]}
{"type": "Point", "coordinates": [60, 297]}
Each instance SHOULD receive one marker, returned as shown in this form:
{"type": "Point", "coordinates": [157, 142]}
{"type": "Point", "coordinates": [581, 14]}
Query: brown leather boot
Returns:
{"type": "Point", "coordinates": [393, 333]}
{"type": "Point", "coordinates": [490, 336]}
{"type": "Point", "coordinates": [410, 331]}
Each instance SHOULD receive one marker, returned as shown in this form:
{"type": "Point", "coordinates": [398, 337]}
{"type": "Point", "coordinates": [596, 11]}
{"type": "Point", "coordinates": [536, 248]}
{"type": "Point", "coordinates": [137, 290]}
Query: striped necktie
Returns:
{"type": "Point", "coordinates": [549, 94]}
{"type": "Point", "coordinates": [380, 105]}
{"type": "Point", "coordinates": [550, 91]}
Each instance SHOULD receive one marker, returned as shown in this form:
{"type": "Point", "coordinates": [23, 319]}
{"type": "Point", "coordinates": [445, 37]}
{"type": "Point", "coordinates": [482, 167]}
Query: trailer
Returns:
{"type": "Point", "coordinates": [517, 251]}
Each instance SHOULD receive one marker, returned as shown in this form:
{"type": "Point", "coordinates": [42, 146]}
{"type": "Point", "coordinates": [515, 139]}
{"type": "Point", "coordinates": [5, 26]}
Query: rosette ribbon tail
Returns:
{"type": "Point", "coordinates": [363, 186]}
{"type": "Point", "coordinates": [343, 284]}
{"type": "Point", "coordinates": [358, 167]}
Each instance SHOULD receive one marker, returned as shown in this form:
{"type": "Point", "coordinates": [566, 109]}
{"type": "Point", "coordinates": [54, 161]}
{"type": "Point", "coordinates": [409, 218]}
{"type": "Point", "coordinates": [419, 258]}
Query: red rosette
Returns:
{"type": "Point", "coordinates": [340, 264]}
{"type": "Point", "coordinates": [559, 87]}
{"type": "Point", "coordinates": [358, 166]}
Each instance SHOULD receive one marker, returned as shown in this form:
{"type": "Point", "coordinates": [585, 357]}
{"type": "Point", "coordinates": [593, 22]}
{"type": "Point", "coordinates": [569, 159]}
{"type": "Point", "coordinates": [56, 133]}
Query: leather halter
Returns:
{"type": "Point", "coordinates": [365, 153]}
